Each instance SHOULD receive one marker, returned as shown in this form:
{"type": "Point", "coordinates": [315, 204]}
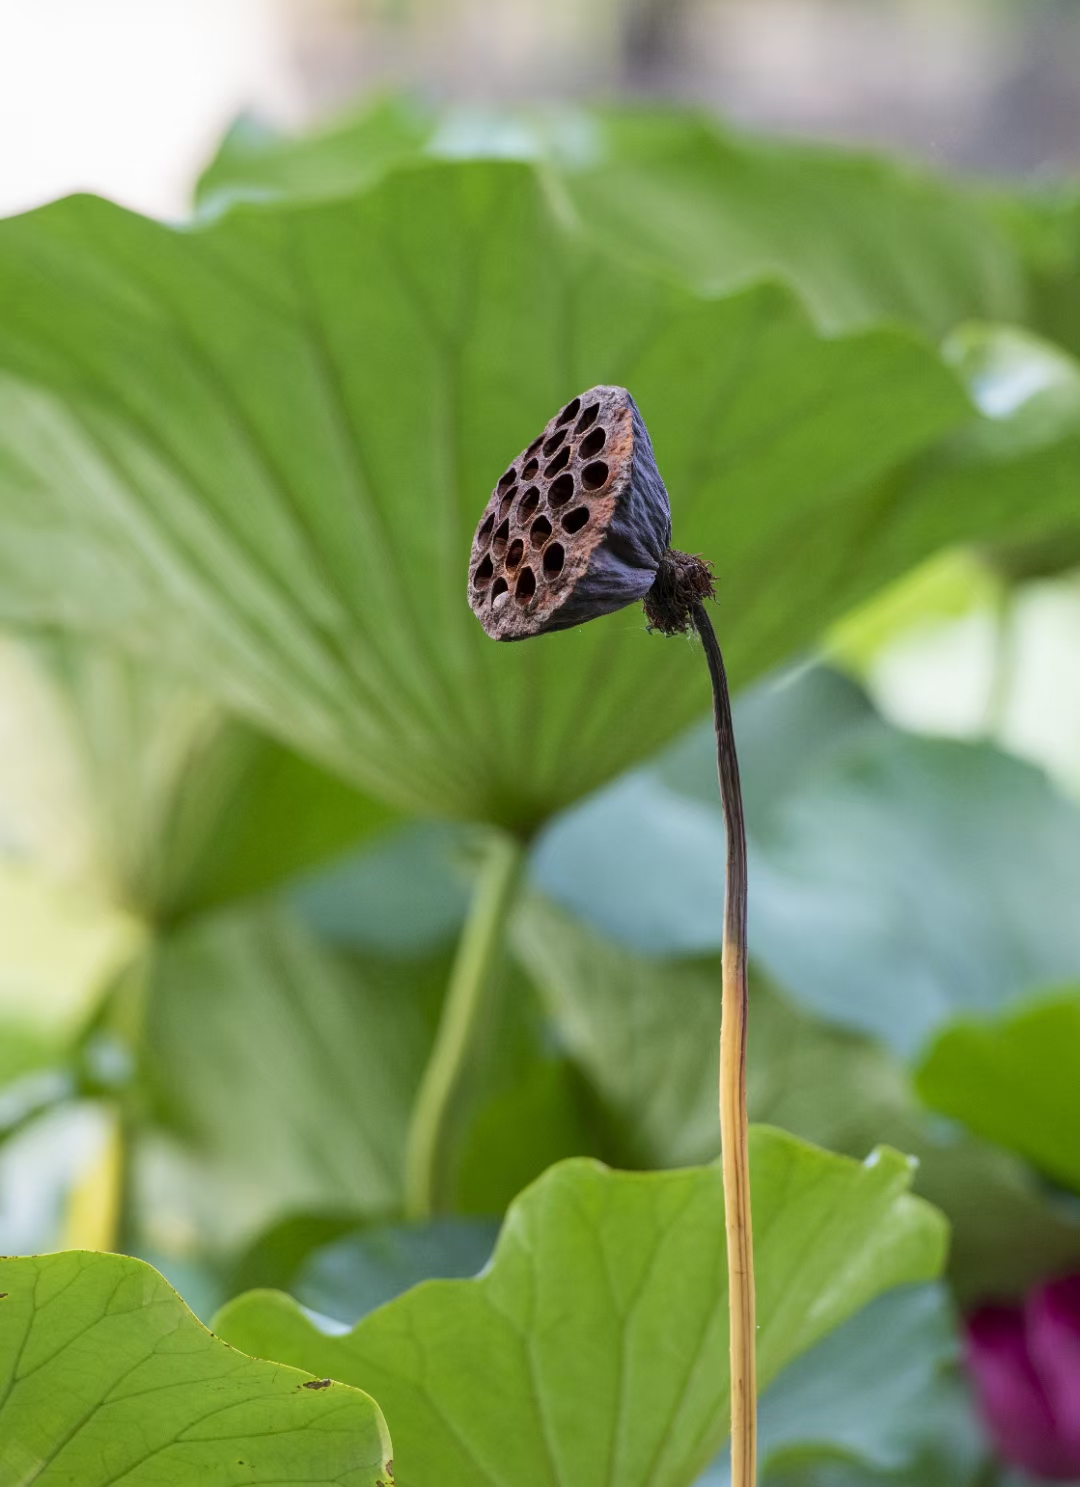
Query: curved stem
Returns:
{"type": "Point", "coordinates": [460, 1026]}
{"type": "Point", "coordinates": [733, 1118]}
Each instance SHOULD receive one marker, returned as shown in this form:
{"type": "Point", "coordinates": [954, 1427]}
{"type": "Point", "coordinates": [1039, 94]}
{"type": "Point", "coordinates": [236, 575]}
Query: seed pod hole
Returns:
{"type": "Point", "coordinates": [562, 490]}
{"type": "Point", "coordinates": [574, 520]}
{"type": "Point", "coordinates": [553, 443]}
{"type": "Point", "coordinates": [529, 502]}
{"type": "Point", "coordinates": [535, 445]}
{"type": "Point", "coordinates": [484, 533]}
{"type": "Point", "coordinates": [561, 460]}
{"type": "Point", "coordinates": [529, 472]}
{"type": "Point", "coordinates": [498, 588]}
{"type": "Point", "coordinates": [507, 502]}
{"type": "Point", "coordinates": [588, 418]}
{"type": "Point", "coordinates": [482, 576]}
{"type": "Point", "coordinates": [592, 444]}
{"type": "Point", "coordinates": [498, 542]}
{"type": "Point", "coordinates": [526, 586]}
{"type": "Point", "coordinates": [515, 553]}
{"type": "Point", "coordinates": [508, 479]}
{"type": "Point", "coordinates": [554, 557]}
{"type": "Point", "coordinates": [594, 476]}
{"type": "Point", "coordinates": [541, 531]}
{"type": "Point", "coordinates": [569, 412]}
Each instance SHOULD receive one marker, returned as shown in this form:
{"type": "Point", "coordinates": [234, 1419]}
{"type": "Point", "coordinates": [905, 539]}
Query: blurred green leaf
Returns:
{"type": "Point", "coordinates": [1043, 227]}
{"type": "Point", "coordinates": [403, 895]}
{"type": "Point", "coordinates": [256, 163]}
{"type": "Point", "coordinates": [255, 451]}
{"type": "Point", "coordinates": [894, 880]}
{"type": "Point", "coordinates": [525, 1106]}
{"type": "Point", "coordinates": [645, 1033]}
{"type": "Point", "coordinates": [853, 1410]}
{"type": "Point", "coordinates": [355, 1273]}
{"type": "Point", "coordinates": [107, 1375]}
{"type": "Point", "coordinates": [596, 1344]}
{"type": "Point", "coordinates": [1015, 1081]}
{"type": "Point", "coordinates": [286, 1071]}
{"type": "Point", "coordinates": [841, 1090]}
{"type": "Point", "coordinates": [186, 808]}
{"type": "Point", "coordinates": [273, 1258]}
{"type": "Point", "coordinates": [861, 238]}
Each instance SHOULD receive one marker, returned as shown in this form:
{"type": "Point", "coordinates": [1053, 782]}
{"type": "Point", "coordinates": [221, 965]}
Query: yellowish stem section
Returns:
{"type": "Point", "coordinates": [735, 1156]}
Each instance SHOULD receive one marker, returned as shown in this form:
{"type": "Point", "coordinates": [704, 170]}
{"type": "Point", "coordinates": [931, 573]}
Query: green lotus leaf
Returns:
{"type": "Point", "coordinates": [255, 452]}
{"type": "Point", "coordinates": [106, 1376]}
{"type": "Point", "coordinates": [595, 1346]}
{"type": "Point", "coordinates": [1015, 1080]}
{"type": "Point", "coordinates": [861, 237]}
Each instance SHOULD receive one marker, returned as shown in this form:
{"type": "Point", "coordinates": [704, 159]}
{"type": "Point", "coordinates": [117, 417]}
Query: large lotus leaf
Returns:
{"type": "Point", "coordinates": [595, 1346]}
{"type": "Point", "coordinates": [1015, 1080]}
{"type": "Point", "coordinates": [894, 881]}
{"type": "Point", "coordinates": [106, 1376]}
{"type": "Point", "coordinates": [853, 1411]}
{"type": "Point", "coordinates": [286, 1072]}
{"type": "Point", "coordinates": [257, 450]}
{"type": "Point", "coordinates": [862, 238]}
{"type": "Point", "coordinates": [645, 1032]}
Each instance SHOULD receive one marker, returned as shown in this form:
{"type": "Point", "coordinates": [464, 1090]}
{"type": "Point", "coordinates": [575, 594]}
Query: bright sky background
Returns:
{"type": "Point", "coordinates": [128, 97]}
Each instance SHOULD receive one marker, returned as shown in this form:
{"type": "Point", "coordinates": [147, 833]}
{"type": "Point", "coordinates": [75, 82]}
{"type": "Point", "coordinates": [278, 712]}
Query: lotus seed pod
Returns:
{"type": "Point", "coordinates": [577, 527]}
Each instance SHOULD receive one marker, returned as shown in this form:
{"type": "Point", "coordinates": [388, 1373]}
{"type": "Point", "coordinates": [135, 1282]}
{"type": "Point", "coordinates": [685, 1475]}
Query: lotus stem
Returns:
{"type": "Point", "coordinates": [735, 1157]}
{"type": "Point", "coordinates": [460, 1027]}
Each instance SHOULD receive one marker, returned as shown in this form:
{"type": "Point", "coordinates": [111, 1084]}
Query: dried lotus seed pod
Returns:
{"type": "Point", "coordinates": [578, 526]}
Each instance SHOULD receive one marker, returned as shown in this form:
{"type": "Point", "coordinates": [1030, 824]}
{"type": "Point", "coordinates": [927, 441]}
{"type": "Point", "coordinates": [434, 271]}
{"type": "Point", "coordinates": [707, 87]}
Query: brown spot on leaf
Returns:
{"type": "Point", "coordinates": [316, 1384]}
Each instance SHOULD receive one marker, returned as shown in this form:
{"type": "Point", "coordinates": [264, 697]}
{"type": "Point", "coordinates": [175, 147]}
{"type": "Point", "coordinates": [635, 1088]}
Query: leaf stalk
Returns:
{"type": "Point", "coordinates": [460, 1027]}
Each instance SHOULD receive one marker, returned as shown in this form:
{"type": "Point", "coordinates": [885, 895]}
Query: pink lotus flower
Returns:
{"type": "Point", "coordinates": [1025, 1362]}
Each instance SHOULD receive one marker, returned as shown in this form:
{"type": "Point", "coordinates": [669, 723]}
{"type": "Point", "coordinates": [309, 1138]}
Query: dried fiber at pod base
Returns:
{"type": "Point", "coordinates": [577, 527]}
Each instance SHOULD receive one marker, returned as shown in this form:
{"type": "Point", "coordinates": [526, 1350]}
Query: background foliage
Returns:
{"type": "Point", "coordinates": [239, 465]}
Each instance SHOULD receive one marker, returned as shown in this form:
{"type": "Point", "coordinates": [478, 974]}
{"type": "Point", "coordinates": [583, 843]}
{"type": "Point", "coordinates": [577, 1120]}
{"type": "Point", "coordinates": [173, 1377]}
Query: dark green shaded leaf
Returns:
{"type": "Point", "coordinates": [106, 1375]}
{"type": "Point", "coordinates": [596, 1345]}
{"type": "Point", "coordinates": [1015, 1081]}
